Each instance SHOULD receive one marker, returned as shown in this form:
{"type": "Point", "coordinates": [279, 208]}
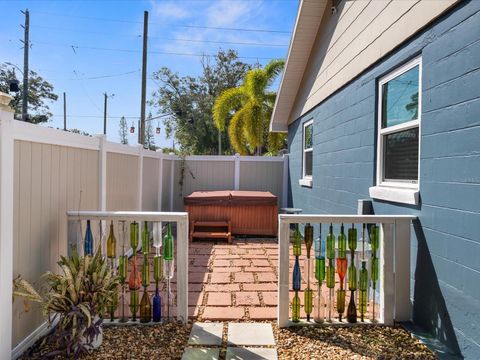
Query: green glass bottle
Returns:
{"type": "Point", "coordinates": [363, 287]}
{"type": "Point", "coordinates": [352, 238]}
{"type": "Point", "coordinates": [134, 304]}
{"type": "Point", "coordinates": [111, 243]}
{"type": "Point", "coordinates": [122, 268]}
{"type": "Point", "coordinates": [340, 303]}
{"type": "Point", "coordinates": [330, 243]}
{"type": "Point", "coordinates": [374, 264]}
{"type": "Point", "coordinates": [134, 236]}
{"type": "Point", "coordinates": [308, 302]}
{"type": "Point", "coordinates": [320, 269]}
{"type": "Point", "coordinates": [352, 277]}
{"type": "Point", "coordinates": [297, 241]}
{"type": "Point", "coordinates": [145, 238]}
{"type": "Point", "coordinates": [168, 244]}
{"type": "Point", "coordinates": [145, 271]}
{"type": "Point", "coordinates": [296, 308]}
{"type": "Point", "coordinates": [342, 243]}
{"type": "Point", "coordinates": [157, 268]}
{"type": "Point", "coordinates": [308, 238]}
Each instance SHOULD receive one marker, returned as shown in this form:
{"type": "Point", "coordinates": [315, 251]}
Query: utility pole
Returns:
{"type": "Point", "coordinates": [64, 111]}
{"type": "Point", "coordinates": [141, 133]}
{"type": "Point", "coordinates": [26, 46]}
{"type": "Point", "coordinates": [106, 96]}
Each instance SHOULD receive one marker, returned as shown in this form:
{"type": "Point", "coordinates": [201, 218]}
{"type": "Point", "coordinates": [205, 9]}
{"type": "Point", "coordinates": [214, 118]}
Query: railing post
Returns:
{"type": "Point", "coordinates": [403, 305]}
{"type": "Point", "coordinates": [285, 181]}
{"type": "Point", "coordinates": [387, 280]}
{"type": "Point", "coordinates": [182, 269]}
{"type": "Point", "coordinates": [236, 178]}
{"type": "Point", "coordinates": [160, 180]}
{"type": "Point", "coordinates": [283, 264]}
{"type": "Point", "coordinates": [6, 223]}
{"type": "Point", "coordinates": [172, 181]}
{"type": "Point", "coordinates": [102, 171]}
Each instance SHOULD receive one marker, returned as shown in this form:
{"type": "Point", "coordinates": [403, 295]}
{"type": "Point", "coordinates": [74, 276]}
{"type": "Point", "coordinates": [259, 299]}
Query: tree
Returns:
{"type": "Point", "coordinates": [189, 101]}
{"type": "Point", "coordinates": [149, 135]}
{"type": "Point", "coordinates": [40, 92]}
{"type": "Point", "coordinates": [249, 108]}
{"type": "Point", "coordinates": [123, 131]}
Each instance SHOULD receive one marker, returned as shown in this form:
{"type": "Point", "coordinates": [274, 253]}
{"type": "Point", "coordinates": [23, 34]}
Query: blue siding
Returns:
{"type": "Point", "coordinates": [446, 238]}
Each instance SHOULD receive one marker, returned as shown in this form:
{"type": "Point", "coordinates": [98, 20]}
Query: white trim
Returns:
{"type": "Point", "coordinates": [412, 184]}
{"type": "Point", "coordinates": [160, 180]}
{"type": "Point", "coordinates": [40, 134]}
{"type": "Point", "coordinates": [121, 148]}
{"type": "Point", "coordinates": [305, 150]}
{"type": "Point", "coordinates": [395, 194]}
{"type": "Point", "coordinates": [102, 170]}
{"type": "Point", "coordinates": [306, 182]}
{"type": "Point", "coordinates": [140, 178]}
{"type": "Point", "coordinates": [172, 180]}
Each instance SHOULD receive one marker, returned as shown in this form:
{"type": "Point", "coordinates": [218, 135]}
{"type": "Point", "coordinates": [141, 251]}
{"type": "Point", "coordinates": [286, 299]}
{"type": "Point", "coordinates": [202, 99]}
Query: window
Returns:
{"type": "Point", "coordinates": [307, 154]}
{"type": "Point", "coordinates": [399, 113]}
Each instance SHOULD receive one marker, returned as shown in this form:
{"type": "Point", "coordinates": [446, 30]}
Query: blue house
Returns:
{"type": "Point", "coordinates": [381, 101]}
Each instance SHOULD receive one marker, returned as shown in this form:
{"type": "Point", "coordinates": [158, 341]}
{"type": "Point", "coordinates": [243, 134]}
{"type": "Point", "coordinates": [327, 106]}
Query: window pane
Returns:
{"type": "Point", "coordinates": [308, 163]}
{"type": "Point", "coordinates": [308, 136]}
{"type": "Point", "coordinates": [400, 99]}
{"type": "Point", "coordinates": [401, 155]}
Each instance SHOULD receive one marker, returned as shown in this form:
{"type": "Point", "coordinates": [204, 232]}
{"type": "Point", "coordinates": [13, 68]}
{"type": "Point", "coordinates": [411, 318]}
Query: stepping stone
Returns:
{"type": "Point", "coordinates": [201, 354]}
{"type": "Point", "coordinates": [250, 334]}
{"type": "Point", "coordinates": [206, 334]}
{"type": "Point", "coordinates": [238, 353]}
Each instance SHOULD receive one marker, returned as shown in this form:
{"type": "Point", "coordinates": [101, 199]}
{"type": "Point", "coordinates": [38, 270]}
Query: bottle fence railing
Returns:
{"type": "Point", "coordinates": [356, 268]}
{"type": "Point", "coordinates": [151, 263]}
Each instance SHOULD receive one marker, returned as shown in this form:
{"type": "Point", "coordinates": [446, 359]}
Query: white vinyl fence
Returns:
{"type": "Point", "coordinates": [46, 172]}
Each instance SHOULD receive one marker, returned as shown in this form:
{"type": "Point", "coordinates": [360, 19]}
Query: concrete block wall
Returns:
{"type": "Point", "coordinates": [446, 240]}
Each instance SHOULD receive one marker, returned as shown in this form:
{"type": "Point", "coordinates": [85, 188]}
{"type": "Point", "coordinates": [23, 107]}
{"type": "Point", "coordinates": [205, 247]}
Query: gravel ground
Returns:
{"type": "Point", "coordinates": [353, 342]}
{"type": "Point", "coordinates": [167, 342]}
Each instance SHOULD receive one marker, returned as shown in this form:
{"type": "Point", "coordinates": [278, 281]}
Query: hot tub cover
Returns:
{"type": "Point", "coordinates": [228, 197]}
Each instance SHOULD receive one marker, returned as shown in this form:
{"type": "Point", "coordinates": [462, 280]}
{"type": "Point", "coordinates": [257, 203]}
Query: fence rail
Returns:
{"type": "Point", "coordinates": [393, 266]}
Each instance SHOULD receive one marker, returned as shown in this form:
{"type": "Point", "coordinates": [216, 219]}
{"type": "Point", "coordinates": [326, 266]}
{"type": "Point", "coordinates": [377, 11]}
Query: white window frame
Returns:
{"type": "Point", "coordinates": [406, 184]}
{"type": "Point", "coordinates": [306, 180]}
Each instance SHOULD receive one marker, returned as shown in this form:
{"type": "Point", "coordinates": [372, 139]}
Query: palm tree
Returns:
{"type": "Point", "coordinates": [249, 108]}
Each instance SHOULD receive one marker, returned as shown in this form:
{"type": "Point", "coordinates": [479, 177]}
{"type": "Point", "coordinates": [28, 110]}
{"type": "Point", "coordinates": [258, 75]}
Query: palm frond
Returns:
{"type": "Point", "coordinates": [236, 132]}
{"type": "Point", "coordinates": [228, 101]}
{"type": "Point", "coordinates": [273, 69]}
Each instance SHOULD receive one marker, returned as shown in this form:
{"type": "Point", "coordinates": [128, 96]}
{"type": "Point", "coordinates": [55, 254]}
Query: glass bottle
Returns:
{"type": "Point", "coordinates": [145, 238]}
{"type": "Point", "coordinates": [134, 236]}
{"type": "Point", "coordinates": [308, 293]}
{"type": "Point", "coordinates": [134, 285]}
{"type": "Point", "coordinates": [157, 306]}
{"type": "Point", "coordinates": [319, 315]}
{"type": "Point", "coordinates": [145, 307]}
{"type": "Point", "coordinates": [296, 281]}
{"type": "Point", "coordinates": [88, 242]}
{"type": "Point", "coordinates": [111, 246]}
{"type": "Point", "coordinates": [123, 269]}
{"type": "Point", "coordinates": [374, 270]}
{"type": "Point", "coordinates": [297, 241]}
{"type": "Point", "coordinates": [145, 271]}
{"type": "Point", "coordinates": [330, 243]}
{"type": "Point", "coordinates": [168, 244]}
{"type": "Point", "coordinates": [352, 275]}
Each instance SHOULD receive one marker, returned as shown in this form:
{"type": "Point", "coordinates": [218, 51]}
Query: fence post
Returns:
{"type": "Point", "coordinates": [283, 264]}
{"type": "Point", "coordinates": [387, 279]}
{"type": "Point", "coordinates": [285, 181]}
{"type": "Point", "coordinates": [160, 179]}
{"type": "Point", "coordinates": [140, 178]}
{"type": "Point", "coordinates": [102, 171]}
{"type": "Point", "coordinates": [172, 180]}
{"type": "Point", "coordinates": [236, 179]}
{"type": "Point", "coordinates": [6, 223]}
{"type": "Point", "coordinates": [182, 269]}
{"type": "Point", "coordinates": [403, 305]}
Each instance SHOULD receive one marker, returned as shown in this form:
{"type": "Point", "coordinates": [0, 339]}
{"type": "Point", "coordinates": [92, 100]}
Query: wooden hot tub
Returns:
{"type": "Point", "coordinates": [248, 212]}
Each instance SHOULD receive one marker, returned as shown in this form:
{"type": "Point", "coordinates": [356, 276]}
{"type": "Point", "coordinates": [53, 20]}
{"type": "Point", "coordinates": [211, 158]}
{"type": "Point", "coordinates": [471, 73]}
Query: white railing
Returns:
{"type": "Point", "coordinates": [394, 255]}
{"type": "Point", "coordinates": [181, 259]}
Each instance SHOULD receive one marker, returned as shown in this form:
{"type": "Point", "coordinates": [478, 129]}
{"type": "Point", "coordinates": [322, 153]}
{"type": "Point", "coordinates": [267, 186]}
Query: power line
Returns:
{"type": "Point", "coordinates": [243, 43]}
{"type": "Point", "coordinates": [98, 116]}
{"type": "Point", "coordinates": [182, 26]}
{"type": "Point", "coordinates": [153, 52]}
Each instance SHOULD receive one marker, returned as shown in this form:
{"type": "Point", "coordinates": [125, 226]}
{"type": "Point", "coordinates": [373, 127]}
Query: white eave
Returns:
{"type": "Point", "coordinates": [310, 13]}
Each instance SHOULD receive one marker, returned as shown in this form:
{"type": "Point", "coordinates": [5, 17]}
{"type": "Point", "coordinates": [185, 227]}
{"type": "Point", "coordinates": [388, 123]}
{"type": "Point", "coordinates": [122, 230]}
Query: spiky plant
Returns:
{"type": "Point", "coordinates": [78, 297]}
{"type": "Point", "coordinates": [251, 105]}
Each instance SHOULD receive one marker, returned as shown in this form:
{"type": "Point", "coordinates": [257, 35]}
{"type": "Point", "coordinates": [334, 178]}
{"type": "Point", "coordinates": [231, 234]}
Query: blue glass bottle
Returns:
{"type": "Point", "coordinates": [296, 275]}
{"type": "Point", "coordinates": [157, 306]}
{"type": "Point", "coordinates": [88, 243]}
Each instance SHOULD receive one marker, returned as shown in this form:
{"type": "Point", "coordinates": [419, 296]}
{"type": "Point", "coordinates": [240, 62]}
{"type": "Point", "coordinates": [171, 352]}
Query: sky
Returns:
{"type": "Point", "coordinates": [87, 48]}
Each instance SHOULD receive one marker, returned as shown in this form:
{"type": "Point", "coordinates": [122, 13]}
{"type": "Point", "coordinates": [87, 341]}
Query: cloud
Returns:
{"type": "Point", "coordinates": [228, 13]}
{"type": "Point", "coordinates": [170, 10]}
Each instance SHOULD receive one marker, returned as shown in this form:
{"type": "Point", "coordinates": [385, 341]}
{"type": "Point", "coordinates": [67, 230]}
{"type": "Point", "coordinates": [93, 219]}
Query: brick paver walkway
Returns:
{"type": "Point", "coordinates": [236, 281]}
